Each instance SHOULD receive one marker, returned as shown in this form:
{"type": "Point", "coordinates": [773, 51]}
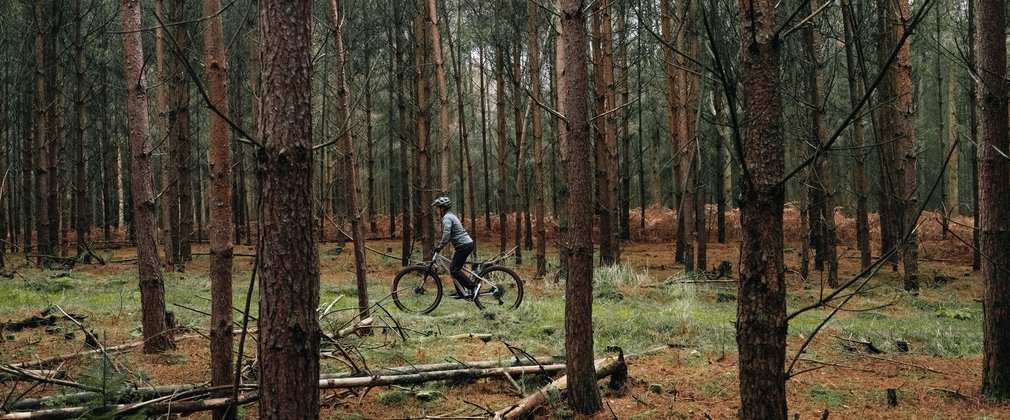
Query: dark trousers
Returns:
{"type": "Point", "coordinates": [456, 267]}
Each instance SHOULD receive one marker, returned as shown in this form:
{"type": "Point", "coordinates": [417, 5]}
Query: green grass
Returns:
{"type": "Point", "coordinates": [625, 312]}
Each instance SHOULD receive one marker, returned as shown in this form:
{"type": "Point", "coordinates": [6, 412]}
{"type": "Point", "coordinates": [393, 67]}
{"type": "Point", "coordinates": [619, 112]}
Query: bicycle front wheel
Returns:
{"type": "Point", "coordinates": [417, 289]}
{"type": "Point", "coordinates": [505, 288]}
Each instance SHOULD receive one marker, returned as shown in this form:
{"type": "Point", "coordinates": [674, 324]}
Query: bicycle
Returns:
{"type": "Point", "coordinates": [418, 288]}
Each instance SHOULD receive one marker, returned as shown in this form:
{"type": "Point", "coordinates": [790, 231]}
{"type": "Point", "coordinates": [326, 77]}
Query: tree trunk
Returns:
{"type": "Point", "coordinates": [27, 146]}
{"type": "Point", "coordinates": [483, 141]}
{"type": "Point", "coordinates": [518, 208]}
{"type": "Point", "coordinates": [289, 260]}
{"type": "Point", "coordinates": [350, 163]}
{"type": "Point", "coordinates": [107, 158]}
{"type": "Point", "coordinates": [500, 131]}
{"type": "Point", "coordinates": [443, 97]}
{"type": "Point", "coordinates": [583, 395]}
{"type": "Point", "coordinates": [761, 308]}
{"type": "Point", "coordinates": [607, 117]}
{"type": "Point", "coordinates": [405, 174]}
{"type": "Point", "coordinates": [157, 336]}
{"type": "Point", "coordinates": [394, 57]}
{"type": "Point", "coordinates": [81, 183]}
{"type": "Point", "coordinates": [673, 117]}
{"type": "Point", "coordinates": [41, 139]}
{"type": "Point", "coordinates": [722, 164]}
{"type": "Point", "coordinates": [181, 142]}
{"type": "Point", "coordinates": [856, 92]}
{"type": "Point", "coordinates": [994, 194]}
{"type": "Point", "coordinates": [425, 222]}
{"type": "Point", "coordinates": [906, 193]}
{"type": "Point", "coordinates": [168, 224]}
{"type": "Point", "coordinates": [370, 151]}
{"type": "Point", "coordinates": [538, 141]}
{"type": "Point", "coordinates": [976, 255]}
{"type": "Point", "coordinates": [822, 187]}
{"type": "Point", "coordinates": [221, 249]}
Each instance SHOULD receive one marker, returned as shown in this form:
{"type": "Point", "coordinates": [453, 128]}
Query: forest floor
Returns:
{"type": "Point", "coordinates": [640, 305]}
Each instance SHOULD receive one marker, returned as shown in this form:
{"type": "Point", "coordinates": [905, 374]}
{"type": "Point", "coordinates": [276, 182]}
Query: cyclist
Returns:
{"type": "Point", "coordinates": [452, 231]}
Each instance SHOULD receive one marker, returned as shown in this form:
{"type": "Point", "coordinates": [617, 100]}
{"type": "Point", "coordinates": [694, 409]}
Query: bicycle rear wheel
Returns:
{"type": "Point", "coordinates": [507, 290]}
{"type": "Point", "coordinates": [416, 289]}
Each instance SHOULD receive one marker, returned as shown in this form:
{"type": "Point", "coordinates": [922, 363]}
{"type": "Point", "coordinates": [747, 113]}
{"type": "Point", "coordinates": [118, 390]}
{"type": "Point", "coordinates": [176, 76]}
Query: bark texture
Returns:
{"type": "Point", "coordinates": [219, 164]}
{"type": "Point", "coordinates": [994, 195]}
{"type": "Point", "coordinates": [157, 336]}
{"type": "Point", "coordinates": [761, 308]}
{"type": "Point", "coordinates": [583, 396]}
{"type": "Point", "coordinates": [289, 260]}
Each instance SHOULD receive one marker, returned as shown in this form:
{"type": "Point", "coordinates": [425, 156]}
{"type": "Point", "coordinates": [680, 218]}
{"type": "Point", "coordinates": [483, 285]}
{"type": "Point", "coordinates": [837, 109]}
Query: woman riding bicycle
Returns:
{"type": "Point", "coordinates": [452, 231]}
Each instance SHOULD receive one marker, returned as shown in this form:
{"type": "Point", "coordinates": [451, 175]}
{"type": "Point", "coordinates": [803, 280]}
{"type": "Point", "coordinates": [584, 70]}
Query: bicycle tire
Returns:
{"type": "Point", "coordinates": [511, 285]}
{"type": "Point", "coordinates": [413, 288]}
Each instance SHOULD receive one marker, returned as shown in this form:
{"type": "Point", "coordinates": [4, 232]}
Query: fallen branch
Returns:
{"type": "Point", "coordinates": [438, 375]}
{"type": "Point", "coordinates": [898, 362]}
{"type": "Point", "coordinates": [604, 367]}
{"type": "Point", "coordinates": [177, 407]}
{"type": "Point", "coordinates": [486, 364]}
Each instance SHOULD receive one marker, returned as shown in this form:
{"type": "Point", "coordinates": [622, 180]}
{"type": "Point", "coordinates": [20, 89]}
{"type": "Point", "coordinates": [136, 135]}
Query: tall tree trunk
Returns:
{"type": "Point", "coordinates": [443, 97]}
{"type": "Point", "coordinates": [289, 260]}
{"type": "Point", "coordinates": [169, 227]}
{"type": "Point", "coordinates": [673, 117]}
{"type": "Point", "coordinates": [624, 161]}
{"type": "Point", "coordinates": [425, 221]}
{"type": "Point", "coordinates": [107, 157]}
{"type": "Point", "coordinates": [994, 194]}
{"type": "Point", "coordinates": [350, 163]}
{"type": "Point", "coordinates": [27, 165]}
{"type": "Point", "coordinates": [41, 138]}
{"type": "Point", "coordinates": [483, 141]}
{"type": "Point", "coordinates": [405, 174]}
{"type": "Point", "coordinates": [890, 231]}
{"type": "Point", "coordinates": [821, 188]}
{"type": "Point", "coordinates": [761, 308]}
{"type": "Point", "coordinates": [583, 395]}
{"type": "Point", "coordinates": [500, 131]}
{"type": "Point", "coordinates": [722, 164]}
{"type": "Point", "coordinates": [976, 255]}
{"type": "Point", "coordinates": [538, 141]}
{"type": "Point", "coordinates": [157, 336]}
{"type": "Point", "coordinates": [906, 193]}
{"type": "Point", "coordinates": [607, 126]}
{"type": "Point", "coordinates": [690, 152]}
{"type": "Point", "coordinates": [181, 142]}
{"type": "Point", "coordinates": [56, 130]}
{"type": "Point", "coordinates": [81, 179]}
{"type": "Point", "coordinates": [370, 149]}
{"type": "Point", "coordinates": [856, 92]}
{"type": "Point", "coordinates": [466, 161]}
{"type": "Point", "coordinates": [951, 203]}
{"type": "Point", "coordinates": [219, 164]}
{"type": "Point", "coordinates": [394, 135]}
{"type": "Point", "coordinates": [520, 124]}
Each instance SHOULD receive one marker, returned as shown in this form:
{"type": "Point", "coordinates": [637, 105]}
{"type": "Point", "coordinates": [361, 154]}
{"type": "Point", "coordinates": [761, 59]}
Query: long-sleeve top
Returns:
{"type": "Point", "coordinates": [452, 231]}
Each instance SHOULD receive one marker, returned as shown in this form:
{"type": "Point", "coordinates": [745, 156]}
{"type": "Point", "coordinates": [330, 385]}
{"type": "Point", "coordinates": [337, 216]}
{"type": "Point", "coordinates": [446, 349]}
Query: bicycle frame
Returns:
{"type": "Point", "coordinates": [444, 262]}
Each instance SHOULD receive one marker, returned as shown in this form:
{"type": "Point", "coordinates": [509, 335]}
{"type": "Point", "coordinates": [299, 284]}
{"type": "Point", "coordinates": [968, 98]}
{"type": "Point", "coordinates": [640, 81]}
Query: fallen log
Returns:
{"type": "Point", "coordinates": [449, 371]}
{"type": "Point", "coordinates": [437, 375]}
{"type": "Point", "coordinates": [176, 407]}
{"type": "Point", "coordinates": [485, 364]}
{"type": "Point", "coordinates": [145, 393]}
{"type": "Point", "coordinates": [604, 367]}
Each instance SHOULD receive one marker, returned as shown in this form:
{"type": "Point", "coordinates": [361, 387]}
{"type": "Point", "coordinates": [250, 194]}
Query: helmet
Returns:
{"type": "Point", "coordinates": [442, 202]}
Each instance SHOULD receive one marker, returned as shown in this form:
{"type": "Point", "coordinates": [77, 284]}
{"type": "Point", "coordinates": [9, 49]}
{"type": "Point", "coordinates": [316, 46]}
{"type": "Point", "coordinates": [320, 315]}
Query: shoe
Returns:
{"type": "Point", "coordinates": [458, 295]}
